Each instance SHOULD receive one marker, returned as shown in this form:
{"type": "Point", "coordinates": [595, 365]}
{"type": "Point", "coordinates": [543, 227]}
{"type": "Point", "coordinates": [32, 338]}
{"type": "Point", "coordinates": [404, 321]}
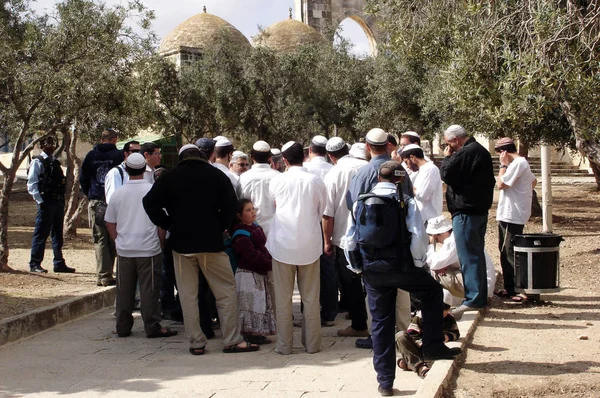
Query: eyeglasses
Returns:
{"type": "Point", "coordinates": [243, 164]}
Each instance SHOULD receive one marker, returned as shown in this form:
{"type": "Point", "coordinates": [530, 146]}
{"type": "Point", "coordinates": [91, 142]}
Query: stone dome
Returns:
{"type": "Point", "coordinates": [288, 35]}
{"type": "Point", "coordinates": [201, 32]}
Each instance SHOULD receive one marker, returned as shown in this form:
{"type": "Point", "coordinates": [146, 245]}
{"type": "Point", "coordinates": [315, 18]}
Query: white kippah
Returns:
{"type": "Point", "coordinates": [276, 152]}
{"type": "Point", "coordinates": [219, 137]}
{"type": "Point", "coordinates": [186, 147]}
{"type": "Point", "coordinates": [377, 136]}
{"type": "Point", "coordinates": [409, 147]}
{"type": "Point", "coordinates": [261, 146]}
{"type": "Point", "coordinates": [287, 145]}
{"type": "Point", "coordinates": [335, 144]}
{"type": "Point", "coordinates": [319, 140]}
{"type": "Point", "coordinates": [223, 142]}
{"type": "Point", "coordinates": [358, 150]}
{"type": "Point", "coordinates": [136, 161]}
{"type": "Point", "coordinates": [238, 154]}
{"type": "Point", "coordinates": [411, 133]}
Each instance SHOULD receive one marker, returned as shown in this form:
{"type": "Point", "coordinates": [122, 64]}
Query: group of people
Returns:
{"type": "Point", "coordinates": [342, 220]}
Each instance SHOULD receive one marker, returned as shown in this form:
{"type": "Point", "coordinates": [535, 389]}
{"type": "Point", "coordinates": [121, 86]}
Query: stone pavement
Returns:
{"type": "Point", "coordinates": [85, 358]}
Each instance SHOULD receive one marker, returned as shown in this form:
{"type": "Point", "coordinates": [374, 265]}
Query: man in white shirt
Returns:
{"type": "Point", "coordinates": [138, 243]}
{"type": "Point", "coordinates": [223, 152]}
{"type": "Point", "coordinates": [335, 223]}
{"type": "Point", "coordinates": [255, 184]}
{"type": "Point", "coordinates": [317, 153]}
{"type": "Point", "coordinates": [427, 183]}
{"type": "Point", "coordinates": [408, 138]}
{"type": "Point", "coordinates": [516, 183]}
{"type": "Point", "coordinates": [117, 176]}
{"type": "Point", "coordinates": [295, 243]}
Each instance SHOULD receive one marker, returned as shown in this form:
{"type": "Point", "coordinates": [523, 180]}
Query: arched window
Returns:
{"type": "Point", "coordinates": [359, 36]}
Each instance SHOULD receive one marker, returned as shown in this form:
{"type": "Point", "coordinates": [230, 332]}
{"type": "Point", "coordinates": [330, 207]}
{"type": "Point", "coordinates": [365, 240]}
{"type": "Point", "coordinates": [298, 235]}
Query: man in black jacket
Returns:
{"type": "Point", "coordinates": [468, 171]}
{"type": "Point", "coordinates": [94, 169]}
{"type": "Point", "coordinates": [196, 203]}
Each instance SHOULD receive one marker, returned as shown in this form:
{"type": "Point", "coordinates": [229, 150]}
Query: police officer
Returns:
{"type": "Point", "coordinates": [397, 266]}
{"type": "Point", "coordinates": [46, 183]}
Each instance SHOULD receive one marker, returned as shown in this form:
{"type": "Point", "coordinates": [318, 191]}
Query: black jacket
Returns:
{"type": "Point", "coordinates": [96, 165]}
{"type": "Point", "coordinates": [196, 203]}
{"type": "Point", "coordinates": [469, 174]}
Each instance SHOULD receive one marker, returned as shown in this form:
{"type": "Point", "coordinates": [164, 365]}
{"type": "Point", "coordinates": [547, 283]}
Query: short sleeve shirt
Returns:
{"type": "Point", "coordinates": [514, 203]}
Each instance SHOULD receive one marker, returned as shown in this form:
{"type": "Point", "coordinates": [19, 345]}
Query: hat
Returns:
{"type": "Point", "coordinates": [261, 146]}
{"type": "Point", "coordinates": [238, 154]}
{"type": "Point", "coordinates": [358, 150]}
{"type": "Point", "coordinates": [276, 152]}
{"type": "Point", "coordinates": [183, 148]}
{"type": "Point", "coordinates": [447, 297]}
{"type": "Point", "coordinates": [377, 137]}
{"type": "Point", "coordinates": [219, 138]}
{"type": "Point", "coordinates": [206, 143]}
{"type": "Point", "coordinates": [136, 161]}
{"type": "Point", "coordinates": [392, 169]}
{"type": "Point", "coordinates": [411, 133]}
{"type": "Point", "coordinates": [438, 225]}
{"type": "Point", "coordinates": [287, 146]}
{"type": "Point", "coordinates": [335, 144]}
{"type": "Point", "coordinates": [502, 142]}
{"type": "Point", "coordinates": [408, 148]}
{"type": "Point", "coordinates": [319, 140]}
{"type": "Point", "coordinates": [223, 142]}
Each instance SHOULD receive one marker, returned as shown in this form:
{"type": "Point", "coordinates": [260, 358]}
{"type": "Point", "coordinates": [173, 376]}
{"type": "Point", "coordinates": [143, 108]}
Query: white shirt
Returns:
{"type": "Point", "coordinates": [113, 181]}
{"type": "Point", "coordinates": [232, 177]}
{"type": "Point", "coordinates": [255, 186]}
{"type": "Point", "coordinates": [295, 235]}
{"type": "Point", "coordinates": [428, 191]}
{"type": "Point", "coordinates": [337, 182]}
{"type": "Point", "coordinates": [136, 235]}
{"type": "Point", "coordinates": [419, 239]}
{"type": "Point", "coordinates": [445, 257]}
{"type": "Point", "coordinates": [514, 204]}
{"type": "Point", "coordinates": [318, 166]}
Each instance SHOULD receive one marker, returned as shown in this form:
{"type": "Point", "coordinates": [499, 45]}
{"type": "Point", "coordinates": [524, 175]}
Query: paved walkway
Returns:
{"type": "Point", "coordinates": [85, 359]}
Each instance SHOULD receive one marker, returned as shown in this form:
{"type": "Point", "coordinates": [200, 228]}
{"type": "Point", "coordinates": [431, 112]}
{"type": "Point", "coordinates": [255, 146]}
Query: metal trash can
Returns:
{"type": "Point", "coordinates": [537, 264]}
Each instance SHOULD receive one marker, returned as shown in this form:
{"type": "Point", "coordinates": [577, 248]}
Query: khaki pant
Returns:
{"type": "Point", "coordinates": [309, 284]}
{"type": "Point", "coordinates": [103, 245]}
{"type": "Point", "coordinates": [217, 270]}
{"type": "Point", "coordinates": [402, 311]}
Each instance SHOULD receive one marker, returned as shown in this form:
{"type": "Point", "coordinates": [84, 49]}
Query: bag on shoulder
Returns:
{"type": "Point", "coordinates": [228, 240]}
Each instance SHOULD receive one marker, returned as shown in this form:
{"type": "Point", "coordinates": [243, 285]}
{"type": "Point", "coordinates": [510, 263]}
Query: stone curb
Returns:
{"type": "Point", "coordinates": [442, 371]}
{"type": "Point", "coordinates": [28, 324]}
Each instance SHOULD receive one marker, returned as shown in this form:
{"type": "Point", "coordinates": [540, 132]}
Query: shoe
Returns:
{"type": "Point", "coordinates": [444, 352]}
{"type": "Point", "coordinates": [38, 269]}
{"type": "Point", "coordinates": [64, 269]}
{"type": "Point", "coordinates": [351, 332]}
{"type": "Point", "coordinates": [367, 343]}
{"type": "Point", "coordinates": [234, 349]}
{"type": "Point", "coordinates": [327, 323]}
{"type": "Point", "coordinates": [107, 282]}
{"type": "Point", "coordinates": [126, 334]}
{"type": "Point", "coordinates": [159, 333]}
{"type": "Point", "coordinates": [385, 392]}
{"type": "Point", "coordinates": [458, 312]}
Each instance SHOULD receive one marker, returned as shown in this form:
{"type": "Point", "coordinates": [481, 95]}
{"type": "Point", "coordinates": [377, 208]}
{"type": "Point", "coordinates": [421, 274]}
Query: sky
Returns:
{"type": "Point", "coordinates": [245, 15]}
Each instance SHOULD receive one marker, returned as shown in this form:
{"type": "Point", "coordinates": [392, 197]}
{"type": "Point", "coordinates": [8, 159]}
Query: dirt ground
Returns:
{"type": "Point", "coordinates": [519, 350]}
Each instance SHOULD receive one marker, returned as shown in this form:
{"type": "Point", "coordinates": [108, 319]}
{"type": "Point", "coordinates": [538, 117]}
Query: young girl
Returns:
{"type": "Point", "coordinates": [252, 276]}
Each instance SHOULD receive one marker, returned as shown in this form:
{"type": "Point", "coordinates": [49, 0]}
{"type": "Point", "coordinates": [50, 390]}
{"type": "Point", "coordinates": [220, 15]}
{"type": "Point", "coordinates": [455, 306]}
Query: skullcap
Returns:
{"type": "Point", "coordinates": [358, 150]}
{"type": "Point", "coordinates": [187, 146]}
{"type": "Point", "coordinates": [319, 140]}
{"type": "Point", "coordinates": [206, 143]}
{"type": "Point", "coordinates": [335, 144]}
{"type": "Point", "coordinates": [223, 142]}
{"type": "Point", "coordinates": [261, 146]}
{"type": "Point", "coordinates": [503, 142]}
{"type": "Point", "coordinates": [287, 146]}
{"type": "Point", "coordinates": [410, 147]}
{"type": "Point", "coordinates": [219, 137]}
{"type": "Point", "coordinates": [238, 154]}
{"type": "Point", "coordinates": [276, 152]}
{"type": "Point", "coordinates": [377, 136]}
{"type": "Point", "coordinates": [411, 133]}
{"type": "Point", "coordinates": [136, 161]}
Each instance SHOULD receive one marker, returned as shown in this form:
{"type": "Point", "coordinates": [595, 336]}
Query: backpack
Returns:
{"type": "Point", "coordinates": [52, 181]}
{"type": "Point", "coordinates": [229, 246]}
{"type": "Point", "coordinates": [381, 229]}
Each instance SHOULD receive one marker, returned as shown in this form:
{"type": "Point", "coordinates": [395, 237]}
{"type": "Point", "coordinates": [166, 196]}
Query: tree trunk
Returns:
{"type": "Point", "coordinates": [73, 203]}
{"type": "Point", "coordinates": [7, 187]}
{"type": "Point", "coordinates": [523, 149]}
{"type": "Point", "coordinates": [596, 171]}
{"type": "Point", "coordinates": [586, 145]}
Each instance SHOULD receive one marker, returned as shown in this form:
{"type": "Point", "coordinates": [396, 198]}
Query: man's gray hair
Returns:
{"type": "Point", "coordinates": [455, 131]}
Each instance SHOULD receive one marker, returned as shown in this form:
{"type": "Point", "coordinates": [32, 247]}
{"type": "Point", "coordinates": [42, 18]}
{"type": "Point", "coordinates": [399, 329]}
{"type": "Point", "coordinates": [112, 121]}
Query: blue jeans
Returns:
{"type": "Point", "coordinates": [469, 234]}
{"type": "Point", "coordinates": [329, 288]}
{"type": "Point", "coordinates": [48, 221]}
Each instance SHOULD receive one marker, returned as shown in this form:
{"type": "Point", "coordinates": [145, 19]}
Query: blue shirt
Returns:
{"type": "Point", "coordinates": [33, 177]}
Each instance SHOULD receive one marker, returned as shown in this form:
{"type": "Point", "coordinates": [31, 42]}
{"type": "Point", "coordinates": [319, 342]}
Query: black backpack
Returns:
{"type": "Point", "coordinates": [52, 181]}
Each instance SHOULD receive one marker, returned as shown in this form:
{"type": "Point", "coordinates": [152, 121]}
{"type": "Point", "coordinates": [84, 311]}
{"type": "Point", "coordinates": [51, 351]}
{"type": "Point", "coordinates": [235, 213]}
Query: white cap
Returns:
{"type": "Point", "coordinates": [438, 225]}
{"type": "Point", "coordinates": [261, 146]}
{"type": "Point", "coordinates": [219, 137]}
{"type": "Point", "coordinates": [377, 136]}
{"type": "Point", "coordinates": [276, 152]}
{"type": "Point", "coordinates": [447, 297]}
{"type": "Point", "coordinates": [411, 133]}
{"type": "Point", "coordinates": [136, 161]}
{"type": "Point", "coordinates": [358, 150]}
{"type": "Point", "coordinates": [335, 144]}
{"type": "Point", "coordinates": [287, 145]}
{"type": "Point", "coordinates": [409, 147]}
{"type": "Point", "coordinates": [238, 154]}
{"type": "Point", "coordinates": [223, 142]}
{"type": "Point", "coordinates": [319, 140]}
{"type": "Point", "coordinates": [184, 148]}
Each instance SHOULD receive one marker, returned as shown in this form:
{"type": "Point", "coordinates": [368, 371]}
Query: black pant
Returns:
{"type": "Point", "coordinates": [381, 291]}
{"type": "Point", "coordinates": [351, 284]}
{"type": "Point", "coordinates": [506, 233]}
{"type": "Point", "coordinates": [48, 221]}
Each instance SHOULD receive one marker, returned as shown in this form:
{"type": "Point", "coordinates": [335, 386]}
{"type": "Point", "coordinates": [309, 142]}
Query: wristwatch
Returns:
{"type": "Point", "coordinates": [503, 166]}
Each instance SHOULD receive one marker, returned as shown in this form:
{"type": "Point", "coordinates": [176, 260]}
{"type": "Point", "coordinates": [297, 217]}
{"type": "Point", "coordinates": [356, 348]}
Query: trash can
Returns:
{"type": "Point", "coordinates": [537, 265]}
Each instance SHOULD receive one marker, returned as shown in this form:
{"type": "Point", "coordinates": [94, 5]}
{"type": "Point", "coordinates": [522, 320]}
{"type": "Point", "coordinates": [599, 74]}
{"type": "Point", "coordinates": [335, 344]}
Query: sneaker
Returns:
{"type": "Point", "coordinates": [107, 282]}
{"type": "Point", "coordinates": [37, 269]}
{"type": "Point", "coordinates": [351, 332]}
{"type": "Point", "coordinates": [458, 312]}
{"type": "Point", "coordinates": [444, 352]}
{"type": "Point", "coordinates": [385, 392]}
{"type": "Point", "coordinates": [63, 269]}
